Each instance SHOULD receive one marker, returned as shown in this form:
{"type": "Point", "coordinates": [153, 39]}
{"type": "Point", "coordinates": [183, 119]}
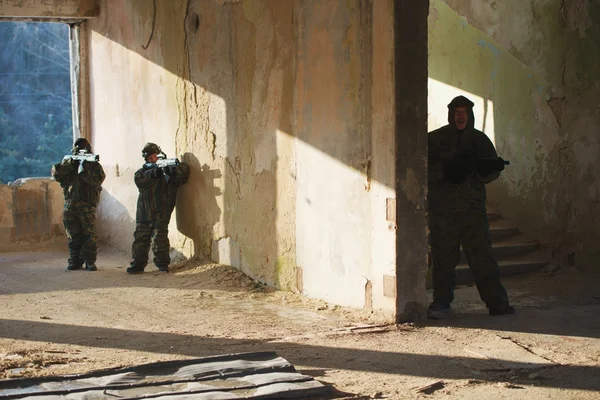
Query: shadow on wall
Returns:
{"type": "Point", "coordinates": [197, 209]}
{"type": "Point", "coordinates": [110, 213]}
{"type": "Point", "coordinates": [236, 93]}
{"type": "Point", "coordinates": [197, 212]}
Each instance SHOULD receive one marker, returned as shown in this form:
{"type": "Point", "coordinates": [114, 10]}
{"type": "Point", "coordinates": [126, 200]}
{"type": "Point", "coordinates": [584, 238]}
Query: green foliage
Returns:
{"type": "Point", "coordinates": [35, 98]}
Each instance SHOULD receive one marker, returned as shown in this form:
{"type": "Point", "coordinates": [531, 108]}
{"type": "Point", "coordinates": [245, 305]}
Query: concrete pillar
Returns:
{"type": "Point", "coordinates": [410, 75]}
{"type": "Point", "coordinates": [78, 50]}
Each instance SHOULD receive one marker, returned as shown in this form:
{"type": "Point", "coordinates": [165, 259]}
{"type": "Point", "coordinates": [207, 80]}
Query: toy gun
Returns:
{"type": "Point", "coordinates": [82, 156]}
{"type": "Point", "coordinates": [459, 168]}
{"type": "Point", "coordinates": [165, 164]}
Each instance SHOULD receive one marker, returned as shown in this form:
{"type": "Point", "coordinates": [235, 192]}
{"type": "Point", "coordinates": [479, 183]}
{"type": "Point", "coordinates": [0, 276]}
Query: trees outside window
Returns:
{"type": "Point", "coordinates": [36, 128]}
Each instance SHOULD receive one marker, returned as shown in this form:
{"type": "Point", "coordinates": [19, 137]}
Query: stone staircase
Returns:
{"type": "Point", "coordinates": [515, 252]}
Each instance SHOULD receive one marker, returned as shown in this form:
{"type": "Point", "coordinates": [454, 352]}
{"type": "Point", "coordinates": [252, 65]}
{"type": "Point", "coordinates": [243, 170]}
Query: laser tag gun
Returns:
{"type": "Point", "coordinates": [458, 169]}
{"type": "Point", "coordinates": [82, 156]}
{"type": "Point", "coordinates": [165, 164]}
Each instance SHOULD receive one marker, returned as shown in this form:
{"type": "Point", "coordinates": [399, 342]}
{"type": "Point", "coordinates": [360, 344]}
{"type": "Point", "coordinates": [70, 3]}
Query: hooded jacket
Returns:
{"type": "Point", "coordinates": [447, 144]}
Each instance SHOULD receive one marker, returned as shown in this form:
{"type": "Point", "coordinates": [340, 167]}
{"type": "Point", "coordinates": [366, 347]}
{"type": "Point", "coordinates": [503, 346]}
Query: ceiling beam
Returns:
{"type": "Point", "coordinates": [49, 9]}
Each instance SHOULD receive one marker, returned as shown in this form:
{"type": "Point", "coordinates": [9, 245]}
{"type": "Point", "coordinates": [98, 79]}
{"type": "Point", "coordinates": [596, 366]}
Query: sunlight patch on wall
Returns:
{"type": "Point", "coordinates": [333, 197]}
{"type": "Point", "coordinates": [440, 94]}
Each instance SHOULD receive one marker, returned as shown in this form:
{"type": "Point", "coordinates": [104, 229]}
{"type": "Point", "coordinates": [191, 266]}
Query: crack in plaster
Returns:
{"type": "Point", "coordinates": [237, 178]}
{"type": "Point", "coordinates": [367, 167]}
{"type": "Point", "coordinates": [213, 143]}
{"type": "Point", "coordinates": [558, 105]}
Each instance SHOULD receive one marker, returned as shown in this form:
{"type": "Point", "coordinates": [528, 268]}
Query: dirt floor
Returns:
{"type": "Point", "coordinates": [58, 322]}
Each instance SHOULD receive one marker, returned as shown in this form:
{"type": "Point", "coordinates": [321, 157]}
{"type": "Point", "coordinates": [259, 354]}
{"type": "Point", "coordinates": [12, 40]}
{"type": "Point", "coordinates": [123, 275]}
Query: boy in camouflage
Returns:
{"type": "Point", "coordinates": [158, 188]}
{"type": "Point", "coordinates": [81, 188]}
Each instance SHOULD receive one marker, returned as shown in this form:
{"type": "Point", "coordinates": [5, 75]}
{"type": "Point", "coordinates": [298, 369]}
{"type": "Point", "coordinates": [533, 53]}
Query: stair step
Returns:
{"type": "Point", "coordinates": [516, 265]}
{"type": "Point", "coordinates": [492, 215]}
{"type": "Point", "coordinates": [501, 229]}
{"type": "Point", "coordinates": [509, 247]}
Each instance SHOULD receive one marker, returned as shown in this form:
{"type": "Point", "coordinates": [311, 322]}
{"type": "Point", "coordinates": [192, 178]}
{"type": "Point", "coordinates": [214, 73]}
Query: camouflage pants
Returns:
{"type": "Point", "coordinates": [450, 230]}
{"type": "Point", "coordinates": [80, 223]}
{"type": "Point", "coordinates": [147, 232]}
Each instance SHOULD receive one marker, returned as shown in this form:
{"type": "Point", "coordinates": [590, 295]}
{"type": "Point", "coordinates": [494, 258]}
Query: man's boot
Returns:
{"type": "Point", "coordinates": [74, 265]}
{"type": "Point", "coordinates": [90, 266]}
{"type": "Point", "coordinates": [135, 269]}
{"type": "Point", "coordinates": [504, 309]}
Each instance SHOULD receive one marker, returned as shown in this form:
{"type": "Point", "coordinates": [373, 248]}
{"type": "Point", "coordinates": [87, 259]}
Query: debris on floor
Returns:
{"type": "Point", "coordinates": [432, 387]}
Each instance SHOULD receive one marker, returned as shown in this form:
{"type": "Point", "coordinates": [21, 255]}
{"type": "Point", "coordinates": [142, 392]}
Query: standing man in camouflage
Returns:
{"type": "Point", "coordinates": [82, 183]}
{"type": "Point", "coordinates": [457, 209]}
{"type": "Point", "coordinates": [156, 201]}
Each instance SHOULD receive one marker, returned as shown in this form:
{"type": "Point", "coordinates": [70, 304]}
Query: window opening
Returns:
{"type": "Point", "coordinates": [36, 125]}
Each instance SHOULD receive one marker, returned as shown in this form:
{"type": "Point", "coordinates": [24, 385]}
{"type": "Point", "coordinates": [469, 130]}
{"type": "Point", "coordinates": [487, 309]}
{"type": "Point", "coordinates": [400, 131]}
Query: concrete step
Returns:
{"type": "Point", "coordinates": [509, 247]}
{"type": "Point", "coordinates": [502, 229]}
{"type": "Point", "coordinates": [492, 215]}
{"type": "Point", "coordinates": [515, 265]}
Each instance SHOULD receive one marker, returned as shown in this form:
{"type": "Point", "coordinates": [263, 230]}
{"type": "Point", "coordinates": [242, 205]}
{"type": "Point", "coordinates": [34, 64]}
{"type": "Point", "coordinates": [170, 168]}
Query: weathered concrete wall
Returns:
{"type": "Point", "coordinates": [72, 9]}
{"type": "Point", "coordinates": [288, 130]}
{"type": "Point", "coordinates": [31, 215]}
{"type": "Point", "coordinates": [533, 70]}
{"type": "Point", "coordinates": [411, 72]}
{"type": "Point", "coordinates": [334, 95]}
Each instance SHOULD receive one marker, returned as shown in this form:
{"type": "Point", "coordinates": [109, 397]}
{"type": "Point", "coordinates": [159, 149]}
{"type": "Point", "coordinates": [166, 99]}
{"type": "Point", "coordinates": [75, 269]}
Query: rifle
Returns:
{"type": "Point", "coordinates": [164, 164]}
{"type": "Point", "coordinates": [82, 156]}
{"type": "Point", "coordinates": [458, 169]}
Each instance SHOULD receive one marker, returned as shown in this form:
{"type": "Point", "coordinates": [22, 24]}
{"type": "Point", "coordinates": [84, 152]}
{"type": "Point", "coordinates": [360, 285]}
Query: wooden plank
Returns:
{"type": "Point", "coordinates": [51, 9]}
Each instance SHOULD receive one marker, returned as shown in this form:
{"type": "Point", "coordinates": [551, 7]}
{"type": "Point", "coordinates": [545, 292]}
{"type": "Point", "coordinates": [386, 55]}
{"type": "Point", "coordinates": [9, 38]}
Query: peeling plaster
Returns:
{"type": "Point", "coordinates": [272, 104]}
{"type": "Point", "coordinates": [577, 15]}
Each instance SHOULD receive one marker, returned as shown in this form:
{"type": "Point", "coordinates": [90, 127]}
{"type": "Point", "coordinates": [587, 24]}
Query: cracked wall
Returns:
{"type": "Point", "coordinates": [284, 111]}
{"type": "Point", "coordinates": [533, 69]}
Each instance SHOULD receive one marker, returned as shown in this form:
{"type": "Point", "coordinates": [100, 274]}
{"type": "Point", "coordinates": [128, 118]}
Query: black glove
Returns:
{"type": "Point", "coordinates": [501, 164]}
{"type": "Point", "coordinates": [486, 167]}
{"type": "Point", "coordinates": [155, 172]}
{"type": "Point", "coordinates": [168, 171]}
{"type": "Point", "coordinates": [484, 170]}
{"type": "Point", "coordinates": [71, 161]}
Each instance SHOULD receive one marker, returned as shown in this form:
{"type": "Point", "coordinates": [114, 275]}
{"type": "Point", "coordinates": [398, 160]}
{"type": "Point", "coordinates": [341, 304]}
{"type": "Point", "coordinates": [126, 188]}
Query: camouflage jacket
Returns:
{"type": "Point", "coordinates": [158, 191]}
{"type": "Point", "coordinates": [80, 187]}
{"type": "Point", "coordinates": [445, 145]}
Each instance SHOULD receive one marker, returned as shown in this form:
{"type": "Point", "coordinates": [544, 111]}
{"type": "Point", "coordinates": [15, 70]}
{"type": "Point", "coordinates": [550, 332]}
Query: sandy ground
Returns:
{"type": "Point", "coordinates": [58, 322]}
